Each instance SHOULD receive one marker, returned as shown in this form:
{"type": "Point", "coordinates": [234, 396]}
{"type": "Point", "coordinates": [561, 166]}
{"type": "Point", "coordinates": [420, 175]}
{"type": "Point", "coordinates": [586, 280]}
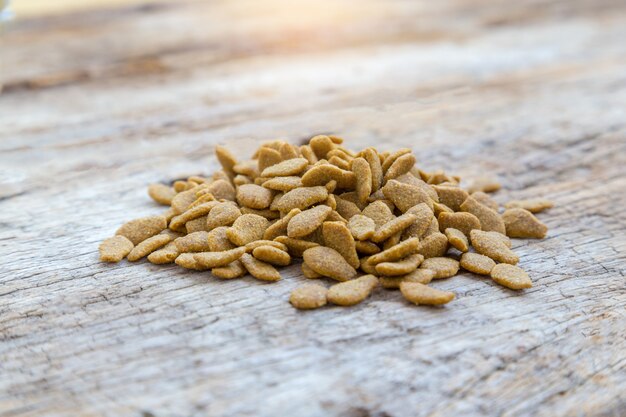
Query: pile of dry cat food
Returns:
{"type": "Point", "coordinates": [365, 219]}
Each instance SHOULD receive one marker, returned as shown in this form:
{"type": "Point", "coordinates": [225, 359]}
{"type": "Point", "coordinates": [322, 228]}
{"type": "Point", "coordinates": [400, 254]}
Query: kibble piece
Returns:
{"type": "Point", "coordinates": [339, 162]}
{"type": "Point", "coordinates": [506, 241]}
{"type": "Point", "coordinates": [226, 159]}
{"type": "Point", "coordinates": [223, 214]}
{"type": "Point", "coordinates": [361, 227]}
{"type": "Point", "coordinates": [272, 255]}
{"type": "Point", "coordinates": [522, 223]}
{"type": "Point", "coordinates": [393, 226]}
{"type": "Point", "coordinates": [289, 151]}
{"type": "Point", "coordinates": [308, 296]}
{"type": "Point", "coordinates": [366, 247]}
{"type": "Point", "coordinates": [254, 196]}
{"type": "Point", "coordinates": [401, 250]}
{"type": "Point", "coordinates": [165, 255]}
{"type": "Point", "coordinates": [279, 228]}
{"type": "Point", "coordinates": [441, 208]}
{"type": "Point", "coordinates": [352, 292]}
{"type": "Point", "coordinates": [187, 260]}
{"type": "Point", "coordinates": [141, 229]}
{"type": "Point", "coordinates": [286, 168]}
{"type": "Point", "coordinates": [391, 158]}
{"type": "Point", "coordinates": [484, 184]}
{"type": "Point", "coordinates": [267, 157]}
{"type": "Point", "coordinates": [477, 263]}
{"type": "Point", "coordinates": [161, 193]}
{"type": "Point", "coordinates": [346, 209]}
{"type": "Point", "coordinates": [203, 198]}
{"type": "Point", "coordinates": [411, 179]}
{"type": "Point", "coordinates": [308, 272]}
{"type": "Point", "coordinates": [404, 196]}
{"type": "Point", "coordinates": [259, 269]}
{"type": "Point", "coordinates": [452, 197]}
{"type": "Point", "coordinates": [247, 228]}
{"type": "Point", "coordinates": [400, 166]}
{"type": "Point", "coordinates": [492, 246]}
{"type": "Point", "coordinates": [305, 223]}
{"type": "Point", "coordinates": [372, 158]}
{"type": "Point", "coordinates": [465, 222]}
{"type": "Point", "coordinates": [222, 190]}
{"type": "Point", "coordinates": [511, 276]}
{"type": "Point", "coordinates": [423, 276]}
{"type": "Point", "coordinates": [241, 180]}
{"type": "Point", "coordinates": [337, 236]}
{"type": "Point", "coordinates": [218, 239]}
{"type": "Point", "coordinates": [534, 205]}
{"type": "Point", "coordinates": [422, 294]}
{"type": "Point", "coordinates": [233, 270]}
{"type": "Point", "coordinates": [283, 183]}
{"type": "Point", "coordinates": [363, 173]}
{"type": "Point", "coordinates": [424, 218]}
{"type": "Point", "coordinates": [490, 220]}
{"type": "Point", "coordinates": [197, 225]}
{"type": "Point", "coordinates": [434, 245]}
{"type": "Point", "coordinates": [148, 246]}
{"type": "Point", "coordinates": [329, 263]}
{"type": "Point", "coordinates": [457, 239]}
{"type": "Point", "coordinates": [183, 200]}
{"type": "Point", "coordinates": [217, 259]}
{"type": "Point", "coordinates": [302, 198]}
{"type": "Point", "coordinates": [322, 173]}
{"type": "Point", "coordinates": [193, 242]}
{"type": "Point", "coordinates": [253, 245]}
{"type": "Point", "coordinates": [115, 248]}
{"type": "Point", "coordinates": [269, 214]}
{"type": "Point", "coordinates": [443, 267]}
{"type": "Point", "coordinates": [379, 212]}
{"type": "Point", "coordinates": [401, 267]}
{"type": "Point", "coordinates": [321, 145]}
{"type": "Point", "coordinates": [486, 200]}
{"type": "Point", "coordinates": [178, 222]}
{"type": "Point", "coordinates": [247, 168]}
{"type": "Point", "coordinates": [296, 247]}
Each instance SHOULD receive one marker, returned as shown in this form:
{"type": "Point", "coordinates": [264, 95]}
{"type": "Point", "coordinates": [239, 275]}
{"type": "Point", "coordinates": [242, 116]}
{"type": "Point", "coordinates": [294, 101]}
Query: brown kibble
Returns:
{"type": "Point", "coordinates": [391, 158]}
{"type": "Point", "coordinates": [422, 294]}
{"type": "Point", "coordinates": [247, 228]}
{"type": "Point", "coordinates": [161, 193]}
{"type": "Point", "coordinates": [308, 272]}
{"type": "Point", "coordinates": [401, 250]}
{"type": "Point", "coordinates": [424, 218]}
{"type": "Point", "coordinates": [411, 179]}
{"type": "Point", "coordinates": [338, 237]}
{"type": "Point", "coordinates": [115, 248]}
{"type": "Point", "coordinates": [434, 245]}
{"type": "Point", "coordinates": [193, 242]}
{"type": "Point", "coordinates": [441, 208]}
{"type": "Point", "coordinates": [345, 208]}
{"type": "Point", "coordinates": [465, 222]}
{"type": "Point", "coordinates": [178, 222]}
{"type": "Point", "coordinates": [141, 229]}
{"type": "Point", "coordinates": [283, 183]}
{"type": "Point", "coordinates": [217, 259]}
{"type": "Point", "coordinates": [233, 270]}
{"type": "Point", "coordinates": [361, 227]}
{"type": "Point", "coordinates": [197, 225]}
{"type": "Point", "coordinates": [339, 162]}
{"type": "Point", "coordinates": [165, 255]}
{"type": "Point", "coordinates": [241, 180]}
{"type": "Point", "coordinates": [372, 158]}
{"type": "Point", "coordinates": [457, 239]}
{"type": "Point", "coordinates": [286, 168]}
{"type": "Point", "coordinates": [534, 205]}
{"type": "Point", "coordinates": [280, 227]}
{"type": "Point", "coordinates": [352, 292]}
{"type": "Point", "coordinates": [477, 263]}
{"type": "Point", "coordinates": [486, 200]}
{"type": "Point", "coordinates": [404, 196]}
{"type": "Point", "coordinates": [321, 145]}
{"type": "Point", "coordinates": [379, 212]}
{"type": "Point", "coordinates": [400, 166]}
{"type": "Point", "coordinates": [302, 198]}
{"type": "Point", "coordinates": [259, 269]}
{"type": "Point", "coordinates": [218, 239]}
{"type": "Point", "coordinates": [401, 267]}
{"type": "Point", "coordinates": [267, 157]}
{"type": "Point", "coordinates": [222, 190]}
{"type": "Point", "coordinates": [492, 246]}
{"type": "Point", "coordinates": [511, 276]}
{"type": "Point", "coordinates": [296, 247]}
{"type": "Point", "coordinates": [367, 267]}
{"type": "Point", "coordinates": [523, 224]}
{"type": "Point", "coordinates": [223, 214]}
{"type": "Point", "coordinates": [452, 197]}
{"type": "Point", "coordinates": [226, 159]}
{"type": "Point", "coordinates": [254, 196]}
{"type": "Point", "coordinates": [253, 245]}
{"type": "Point", "coordinates": [329, 263]}
{"type": "Point", "coordinates": [272, 255]}
{"type": "Point", "coordinates": [366, 248]}
{"type": "Point", "coordinates": [305, 223]}
{"type": "Point", "coordinates": [248, 168]}
{"type": "Point", "coordinates": [269, 214]}
{"type": "Point", "coordinates": [322, 173]}
{"type": "Point", "coordinates": [363, 173]}
{"type": "Point", "coordinates": [442, 267]}
{"type": "Point", "coordinates": [392, 227]}
{"type": "Point", "coordinates": [187, 260]}
{"type": "Point", "coordinates": [288, 151]}
{"type": "Point", "coordinates": [490, 220]}
{"type": "Point", "coordinates": [484, 184]}
{"type": "Point", "coordinates": [423, 276]}
{"type": "Point", "coordinates": [308, 153]}
{"type": "Point", "coordinates": [148, 246]}
{"type": "Point", "coordinates": [308, 296]}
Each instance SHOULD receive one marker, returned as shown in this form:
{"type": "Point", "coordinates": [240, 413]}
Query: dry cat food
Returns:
{"type": "Point", "coordinates": [362, 220]}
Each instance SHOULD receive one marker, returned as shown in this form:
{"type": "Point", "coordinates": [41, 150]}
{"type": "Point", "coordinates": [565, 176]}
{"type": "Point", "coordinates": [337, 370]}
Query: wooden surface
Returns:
{"type": "Point", "coordinates": [98, 104]}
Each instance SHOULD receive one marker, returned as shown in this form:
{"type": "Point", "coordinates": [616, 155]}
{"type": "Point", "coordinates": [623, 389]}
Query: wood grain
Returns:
{"type": "Point", "coordinates": [98, 104]}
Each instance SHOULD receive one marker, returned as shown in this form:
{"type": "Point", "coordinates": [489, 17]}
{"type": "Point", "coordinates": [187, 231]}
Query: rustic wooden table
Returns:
{"type": "Point", "coordinates": [100, 102]}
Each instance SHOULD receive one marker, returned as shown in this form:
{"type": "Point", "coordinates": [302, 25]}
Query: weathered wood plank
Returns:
{"type": "Point", "coordinates": [99, 104]}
